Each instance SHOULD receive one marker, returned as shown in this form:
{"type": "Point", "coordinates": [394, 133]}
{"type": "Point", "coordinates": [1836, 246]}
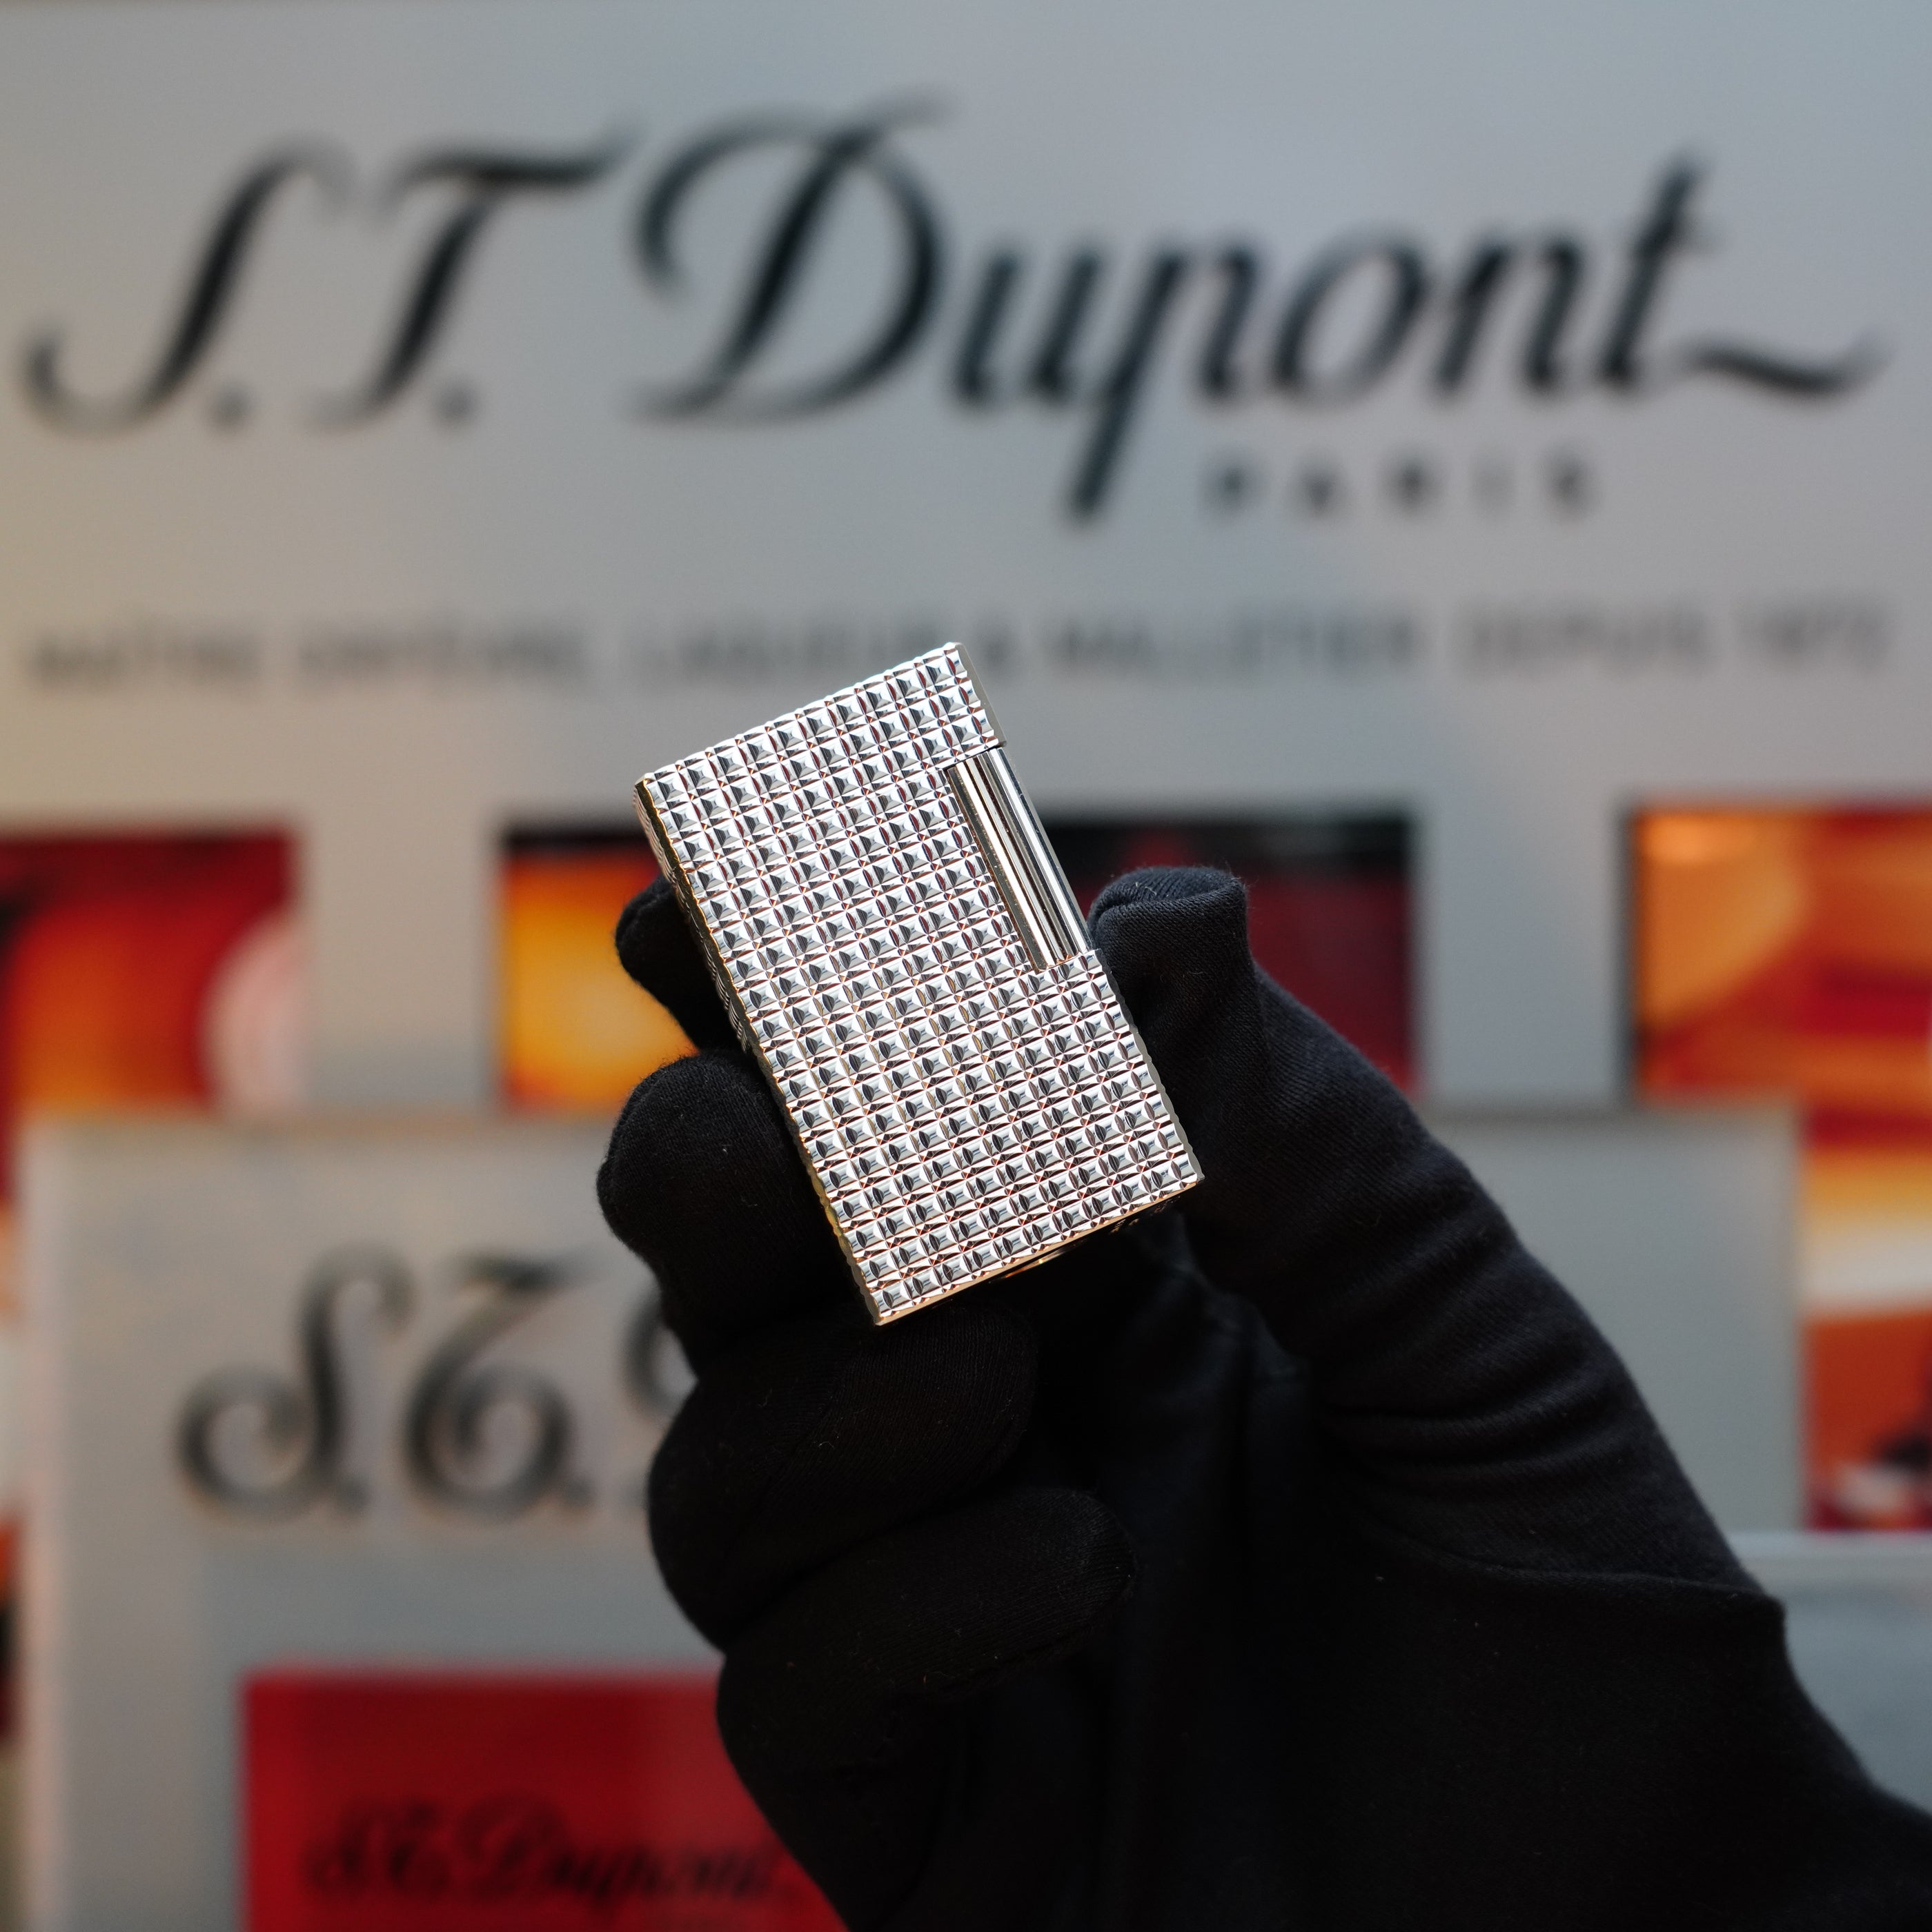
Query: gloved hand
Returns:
{"type": "Point", "coordinates": [1302, 1557]}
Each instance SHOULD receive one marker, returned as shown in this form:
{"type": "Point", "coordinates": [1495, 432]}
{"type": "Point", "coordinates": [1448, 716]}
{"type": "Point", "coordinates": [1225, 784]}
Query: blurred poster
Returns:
{"type": "Point", "coordinates": [504, 1802]}
{"type": "Point", "coordinates": [574, 1030]}
{"type": "Point", "coordinates": [1329, 913]}
{"type": "Point", "coordinates": [1788, 950]}
{"type": "Point", "coordinates": [1330, 906]}
{"type": "Point", "coordinates": [148, 968]}
{"type": "Point", "coordinates": [343, 1398]}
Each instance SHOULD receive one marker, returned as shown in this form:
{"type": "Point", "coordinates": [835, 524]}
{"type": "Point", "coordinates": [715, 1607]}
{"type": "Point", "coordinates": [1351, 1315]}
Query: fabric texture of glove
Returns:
{"type": "Point", "coordinates": [1301, 1557]}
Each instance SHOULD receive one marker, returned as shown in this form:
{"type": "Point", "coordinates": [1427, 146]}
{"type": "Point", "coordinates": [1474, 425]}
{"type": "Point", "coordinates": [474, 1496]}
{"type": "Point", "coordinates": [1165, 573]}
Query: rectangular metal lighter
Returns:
{"type": "Point", "coordinates": [898, 948]}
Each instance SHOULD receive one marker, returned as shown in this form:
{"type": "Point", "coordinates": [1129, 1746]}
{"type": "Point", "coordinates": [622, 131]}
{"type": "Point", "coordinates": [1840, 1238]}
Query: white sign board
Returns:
{"type": "Point", "coordinates": [417, 418]}
{"type": "Point", "coordinates": [323, 1395]}
{"type": "Point", "coordinates": [372, 1396]}
{"type": "Point", "coordinates": [1674, 1230]}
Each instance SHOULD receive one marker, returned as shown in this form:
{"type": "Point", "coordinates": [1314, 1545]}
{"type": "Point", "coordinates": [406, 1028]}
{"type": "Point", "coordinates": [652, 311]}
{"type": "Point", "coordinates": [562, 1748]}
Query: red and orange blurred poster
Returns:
{"type": "Point", "coordinates": [1787, 950]}
{"type": "Point", "coordinates": [146, 968]}
{"type": "Point", "coordinates": [574, 1031]}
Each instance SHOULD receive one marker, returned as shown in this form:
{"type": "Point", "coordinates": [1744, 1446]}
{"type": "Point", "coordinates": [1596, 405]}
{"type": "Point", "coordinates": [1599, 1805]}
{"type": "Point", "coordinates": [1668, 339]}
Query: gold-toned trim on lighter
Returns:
{"type": "Point", "coordinates": [1022, 862]}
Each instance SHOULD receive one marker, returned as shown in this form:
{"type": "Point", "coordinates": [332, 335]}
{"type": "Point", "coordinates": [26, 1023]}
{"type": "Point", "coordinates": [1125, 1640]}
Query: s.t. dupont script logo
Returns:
{"type": "Point", "coordinates": [476, 1432]}
{"type": "Point", "coordinates": [770, 205]}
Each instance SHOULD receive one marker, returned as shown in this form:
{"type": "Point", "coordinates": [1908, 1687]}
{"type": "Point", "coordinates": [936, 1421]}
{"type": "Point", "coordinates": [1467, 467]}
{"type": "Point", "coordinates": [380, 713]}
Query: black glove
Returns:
{"type": "Point", "coordinates": [1303, 1558]}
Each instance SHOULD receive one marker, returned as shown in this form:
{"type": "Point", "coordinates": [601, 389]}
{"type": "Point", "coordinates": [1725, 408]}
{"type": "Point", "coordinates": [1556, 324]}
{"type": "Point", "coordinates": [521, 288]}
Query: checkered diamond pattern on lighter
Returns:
{"type": "Point", "coordinates": [963, 1114]}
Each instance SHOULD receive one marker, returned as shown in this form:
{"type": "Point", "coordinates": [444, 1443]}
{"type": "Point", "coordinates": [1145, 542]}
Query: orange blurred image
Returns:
{"type": "Point", "coordinates": [150, 969]}
{"type": "Point", "coordinates": [574, 1032]}
{"type": "Point", "coordinates": [1787, 951]}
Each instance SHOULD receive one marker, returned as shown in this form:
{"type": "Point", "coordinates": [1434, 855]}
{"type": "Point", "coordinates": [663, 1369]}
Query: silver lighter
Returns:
{"type": "Point", "coordinates": [899, 950]}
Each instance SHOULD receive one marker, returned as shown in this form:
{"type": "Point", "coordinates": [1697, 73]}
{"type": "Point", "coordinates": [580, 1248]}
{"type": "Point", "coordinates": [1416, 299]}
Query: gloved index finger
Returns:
{"type": "Point", "coordinates": [703, 1181]}
{"type": "Point", "coordinates": [656, 946]}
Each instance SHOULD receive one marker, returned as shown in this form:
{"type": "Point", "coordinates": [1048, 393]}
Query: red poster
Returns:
{"type": "Point", "coordinates": [381, 1802]}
